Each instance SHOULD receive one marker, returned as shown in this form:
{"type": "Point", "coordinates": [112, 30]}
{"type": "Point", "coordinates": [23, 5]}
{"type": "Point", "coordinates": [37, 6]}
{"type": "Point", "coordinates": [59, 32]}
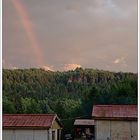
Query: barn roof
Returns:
{"type": "Point", "coordinates": [84, 122]}
{"type": "Point", "coordinates": [125, 112]}
{"type": "Point", "coordinates": [29, 120]}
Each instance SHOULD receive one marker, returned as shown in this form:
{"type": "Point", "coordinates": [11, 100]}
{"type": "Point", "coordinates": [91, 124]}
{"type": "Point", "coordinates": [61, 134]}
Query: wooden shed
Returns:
{"type": "Point", "coordinates": [115, 122]}
{"type": "Point", "coordinates": [84, 129]}
{"type": "Point", "coordinates": [31, 127]}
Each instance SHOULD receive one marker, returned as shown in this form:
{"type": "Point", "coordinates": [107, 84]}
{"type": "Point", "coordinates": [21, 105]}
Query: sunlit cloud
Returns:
{"type": "Point", "coordinates": [120, 60]}
{"type": "Point", "coordinates": [47, 68]}
{"type": "Point", "coordinates": [14, 68]}
{"type": "Point", "coordinates": [68, 67]}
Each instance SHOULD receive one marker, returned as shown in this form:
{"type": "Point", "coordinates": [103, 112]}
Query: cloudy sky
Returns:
{"type": "Point", "coordinates": [65, 34]}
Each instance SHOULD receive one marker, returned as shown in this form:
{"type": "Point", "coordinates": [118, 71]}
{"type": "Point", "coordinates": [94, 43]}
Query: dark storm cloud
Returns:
{"type": "Point", "coordinates": [91, 33]}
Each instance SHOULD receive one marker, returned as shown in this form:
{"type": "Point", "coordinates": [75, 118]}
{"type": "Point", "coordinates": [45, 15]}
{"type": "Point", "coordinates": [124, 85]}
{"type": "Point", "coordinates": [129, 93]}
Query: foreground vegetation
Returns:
{"type": "Point", "coordinates": [69, 94]}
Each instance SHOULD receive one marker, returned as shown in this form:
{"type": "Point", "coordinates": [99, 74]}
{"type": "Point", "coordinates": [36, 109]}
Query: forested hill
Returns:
{"type": "Point", "coordinates": [69, 94]}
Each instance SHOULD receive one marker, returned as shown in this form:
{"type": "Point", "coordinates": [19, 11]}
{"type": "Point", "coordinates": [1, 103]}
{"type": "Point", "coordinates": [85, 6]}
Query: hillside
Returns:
{"type": "Point", "coordinates": [69, 94]}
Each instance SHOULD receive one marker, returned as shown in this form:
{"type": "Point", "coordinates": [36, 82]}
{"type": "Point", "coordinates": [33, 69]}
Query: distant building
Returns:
{"type": "Point", "coordinates": [31, 127]}
{"type": "Point", "coordinates": [84, 128]}
{"type": "Point", "coordinates": [115, 122]}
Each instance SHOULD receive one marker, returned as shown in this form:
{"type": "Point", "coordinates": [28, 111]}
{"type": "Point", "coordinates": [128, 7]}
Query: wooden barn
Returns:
{"type": "Point", "coordinates": [84, 129]}
{"type": "Point", "coordinates": [115, 122]}
{"type": "Point", "coordinates": [31, 127]}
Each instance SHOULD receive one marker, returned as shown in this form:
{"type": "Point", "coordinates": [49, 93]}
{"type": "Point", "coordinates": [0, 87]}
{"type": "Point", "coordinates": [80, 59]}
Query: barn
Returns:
{"type": "Point", "coordinates": [31, 127]}
{"type": "Point", "coordinates": [115, 122]}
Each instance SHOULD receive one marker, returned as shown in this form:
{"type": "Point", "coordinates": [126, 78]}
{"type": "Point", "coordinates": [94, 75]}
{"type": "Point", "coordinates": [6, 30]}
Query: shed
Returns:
{"type": "Point", "coordinates": [31, 127]}
{"type": "Point", "coordinates": [84, 128]}
{"type": "Point", "coordinates": [115, 122]}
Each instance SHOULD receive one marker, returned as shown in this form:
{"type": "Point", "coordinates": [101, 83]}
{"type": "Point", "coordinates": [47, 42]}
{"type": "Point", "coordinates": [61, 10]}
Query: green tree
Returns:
{"type": "Point", "coordinates": [30, 106]}
{"type": "Point", "coordinates": [8, 106]}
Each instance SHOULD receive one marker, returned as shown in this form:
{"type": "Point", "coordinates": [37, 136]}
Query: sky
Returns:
{"type": "Point", "coordinates": [65, 34]}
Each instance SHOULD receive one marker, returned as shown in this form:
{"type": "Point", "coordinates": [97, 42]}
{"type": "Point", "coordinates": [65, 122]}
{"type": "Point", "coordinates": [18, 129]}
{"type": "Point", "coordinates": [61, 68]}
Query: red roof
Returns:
{"type": "Point", "coordinates": [115, 111]}
{"type": "Point", "coordinates": [28, 120]}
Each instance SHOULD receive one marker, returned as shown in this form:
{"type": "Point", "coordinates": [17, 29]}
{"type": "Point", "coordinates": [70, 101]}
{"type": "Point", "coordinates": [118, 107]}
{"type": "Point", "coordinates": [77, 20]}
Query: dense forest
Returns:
{"type": "Point", "coordinates": [70, 94]}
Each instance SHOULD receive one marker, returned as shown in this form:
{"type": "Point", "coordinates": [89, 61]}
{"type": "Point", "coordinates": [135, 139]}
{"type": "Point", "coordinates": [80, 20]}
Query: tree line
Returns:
{"type": "Point", "coordinates": [68, 94]}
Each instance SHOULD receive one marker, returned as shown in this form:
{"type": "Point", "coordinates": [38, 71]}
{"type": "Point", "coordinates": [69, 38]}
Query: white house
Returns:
{"type": "Point", "coordinates": [31, 127]}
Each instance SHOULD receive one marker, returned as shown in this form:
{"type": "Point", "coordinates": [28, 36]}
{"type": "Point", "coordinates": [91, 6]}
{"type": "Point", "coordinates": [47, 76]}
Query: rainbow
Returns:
{"type": "Point", "coordinates": [27, 25]}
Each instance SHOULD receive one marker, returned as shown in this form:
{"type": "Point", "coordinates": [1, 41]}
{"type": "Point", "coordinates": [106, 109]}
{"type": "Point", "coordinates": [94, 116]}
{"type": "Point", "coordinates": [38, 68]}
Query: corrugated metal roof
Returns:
{"type": "Point", "coordinates": [28, 120]}
{"type": "Point", "coordinates": [84, 122]}
{"type": "Point", "coordinates": [115, 111]}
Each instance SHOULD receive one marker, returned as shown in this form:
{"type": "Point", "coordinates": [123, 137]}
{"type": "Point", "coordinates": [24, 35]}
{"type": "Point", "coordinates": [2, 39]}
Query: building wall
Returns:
{"type": "Point", "coordinates": [28, 134]}
{"type": "Point", "coordinates": [55, 125]}
{"type": "Point", "coordinates": [116, 130]}
{"type": "Point", "coordinates": [134, 130]}
{"type": "Point", "coordinates": [51, 133]}
{"type": "Point", "coordinates": [102, 130]}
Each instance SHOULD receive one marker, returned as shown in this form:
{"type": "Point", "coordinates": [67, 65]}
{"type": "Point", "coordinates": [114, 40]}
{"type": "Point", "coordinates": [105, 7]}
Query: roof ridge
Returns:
{"type": "Point", "coordinates": [117, 105]}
